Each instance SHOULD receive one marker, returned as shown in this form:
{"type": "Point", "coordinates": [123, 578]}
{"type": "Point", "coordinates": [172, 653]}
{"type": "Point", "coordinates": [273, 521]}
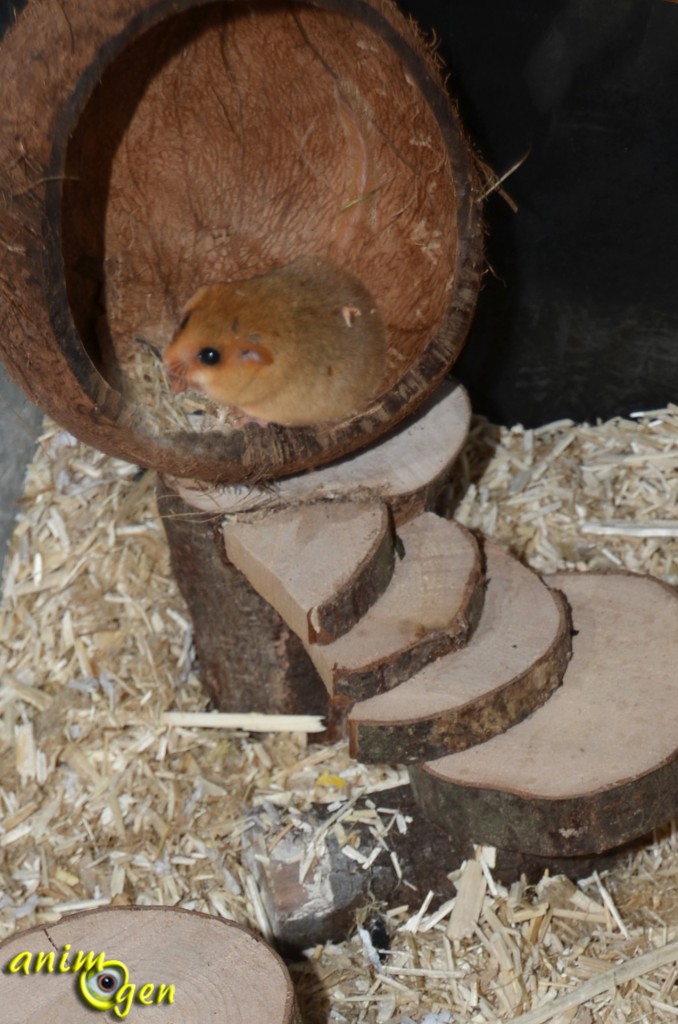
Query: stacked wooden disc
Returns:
{"type": "Point", "coordinates": [537, 714]}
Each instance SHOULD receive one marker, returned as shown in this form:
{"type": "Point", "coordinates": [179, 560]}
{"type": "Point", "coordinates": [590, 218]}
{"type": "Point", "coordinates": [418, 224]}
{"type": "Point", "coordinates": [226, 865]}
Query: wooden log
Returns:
{"type": "Point", "coordinates": [407, 469]}
{"type": "Point", "coordinates": [597, 764]}
{"type": "Point", "coordinates": [249, 659]}
{"type": "Point", "coordinates": [157, 963]}
{"type": "Point", "coordinates": [320, 566]}
{"type": "Point", "coordinates": [306, 907]}
{"type": "Point", "coordinates": [431, 606]}
{"type": "Point", "coordinates": [512, 663]}
{"type": "Point", "coordinates": [117, 203]}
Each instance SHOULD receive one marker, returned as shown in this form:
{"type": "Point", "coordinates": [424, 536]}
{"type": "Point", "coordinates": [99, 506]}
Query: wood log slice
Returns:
{"type": "Point", "coordinates": [408, 468]}
{"type": "Point", "coordinates": [597, 764]}
{"type": "Point", "coordinates": [513, 662]}
{"type": "Point", "coordinates": [430, 607]}
{"type": "Point", "coordinates": [218, 970]}
{"type": "Point", "coordinates": [320, 566]}
{"type": "Point", "coordinates": [147, 149]}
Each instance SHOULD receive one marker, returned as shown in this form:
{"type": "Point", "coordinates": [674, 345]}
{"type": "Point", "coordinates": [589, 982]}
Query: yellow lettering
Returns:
{"type": "Point", "coordinates": [43, 960]}
{"type": "Point", "coordinates": [20, 962]}
{"type": "Point", "coordinates": [145, 994]}
{"type": "Point", "coordinates": [89, 961]}
{"type": "Point", "coordinates": [124, 998]}
{"type": "Point", "coordinates": [63, 960]}
{"type": "Point", "coordinates": [165, 991]}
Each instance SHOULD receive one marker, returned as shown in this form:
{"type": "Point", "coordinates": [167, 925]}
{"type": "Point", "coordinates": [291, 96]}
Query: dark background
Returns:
{"type": "Point", "coordinates": [579, 317]}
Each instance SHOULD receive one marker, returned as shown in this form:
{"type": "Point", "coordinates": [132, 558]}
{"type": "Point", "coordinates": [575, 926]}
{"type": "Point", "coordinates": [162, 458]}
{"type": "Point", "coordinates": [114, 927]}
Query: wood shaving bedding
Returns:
{"type": "Point", "coordinates": [101, 803]}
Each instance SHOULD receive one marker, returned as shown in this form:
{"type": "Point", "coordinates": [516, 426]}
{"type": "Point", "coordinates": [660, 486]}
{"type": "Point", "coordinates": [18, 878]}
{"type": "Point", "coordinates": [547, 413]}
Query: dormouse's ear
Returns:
{"type": "Point", "coordinates": [196, 298]}
{"type": "Point", "coordinates": [253, 352]}
{"type": "Point", "coordinates": [188, 309]}
{"type": "Point", "coordinates": [183, 323]}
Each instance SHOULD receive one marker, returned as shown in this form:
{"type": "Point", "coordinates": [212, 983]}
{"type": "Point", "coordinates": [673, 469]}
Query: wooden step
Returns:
{"type": "Point", "coordinates": [430, 607]}
{"type": "Point", "coordinates": [597, 764]}
{"type": "Point", "coordinates": [320, 566]}
{"type": "Point", "coordinates": [514, 661]}
{"type": "Point", "coordinates": [407, 468]}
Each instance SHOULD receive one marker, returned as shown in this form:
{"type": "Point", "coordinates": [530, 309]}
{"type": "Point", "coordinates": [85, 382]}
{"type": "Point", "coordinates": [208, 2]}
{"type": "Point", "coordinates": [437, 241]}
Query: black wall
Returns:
{"type": "Point", "coordinates": [7, 7]}
{"type": "Point", "coordinates": [581, 319]}
{"type": "Point", "coordinates": [580, 315]}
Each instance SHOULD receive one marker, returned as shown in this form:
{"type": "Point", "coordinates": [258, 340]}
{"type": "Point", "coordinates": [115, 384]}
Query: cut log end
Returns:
{"type": "Point", "coordinates": [596, 765]}
{"type": "Point", "coordinates": [320, 566]}
{"type": "Point", "coordinates": [407, 469]}
{"type": "Point", "coordinates": [512, 663]}
{"type": "Point", "coordinates": [166, 962]}
{"type": "Point", "coordinates": [430, 607]}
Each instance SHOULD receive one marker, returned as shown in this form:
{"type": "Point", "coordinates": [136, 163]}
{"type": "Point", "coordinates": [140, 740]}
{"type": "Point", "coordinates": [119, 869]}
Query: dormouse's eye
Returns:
{"type": "Point", "coordinates": [209, 356]}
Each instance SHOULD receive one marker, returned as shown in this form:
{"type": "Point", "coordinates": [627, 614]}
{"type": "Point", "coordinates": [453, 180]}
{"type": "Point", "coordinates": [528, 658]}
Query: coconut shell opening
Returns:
{"type": "Point", "coordinates": [221, 141]}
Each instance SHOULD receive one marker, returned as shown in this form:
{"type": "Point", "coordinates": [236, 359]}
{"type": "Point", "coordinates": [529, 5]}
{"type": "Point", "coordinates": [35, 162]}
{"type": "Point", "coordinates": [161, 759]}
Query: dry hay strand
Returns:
{"type": "Point", "coordinates": [101, 802]}
{"type": "Point", "coordinates": [144, 381]}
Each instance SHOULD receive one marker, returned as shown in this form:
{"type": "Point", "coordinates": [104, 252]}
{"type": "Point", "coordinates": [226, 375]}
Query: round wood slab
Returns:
{"type": "Point", "coordinates": [597, 764]}
{"type": "Point", "coordinates": [406, 469]}
{"type": "Point", "coordinates": [512, 663]}
{"type": "Point", "coordinates": [430, 607]}
{"type": "Point", "coordinates": [321, 566]}
{"type": "Point", "coordinates": [219, 971]}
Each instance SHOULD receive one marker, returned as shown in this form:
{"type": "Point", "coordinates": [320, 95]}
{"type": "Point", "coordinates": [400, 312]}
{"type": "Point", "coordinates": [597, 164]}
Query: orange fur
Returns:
{"type": "Point", "coordinates": [301, 344]}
